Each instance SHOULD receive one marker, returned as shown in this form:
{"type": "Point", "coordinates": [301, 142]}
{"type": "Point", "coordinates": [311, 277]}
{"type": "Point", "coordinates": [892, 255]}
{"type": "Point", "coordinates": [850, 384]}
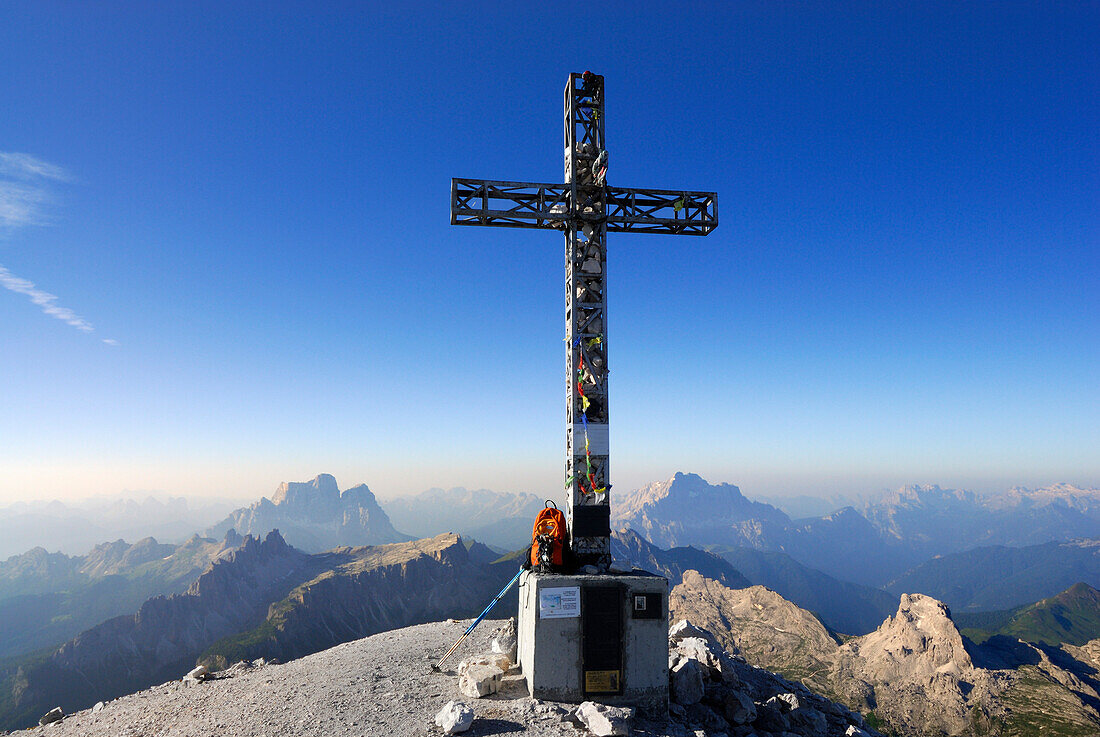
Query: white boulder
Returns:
{"type": "Point", "coordinates": [197, 674]}
{"type": "Point", "coordinates": [454, 717]}
{"type": "Point", "coordinates": [687, 681]}
{"type": "Point", "coordinates": [504, 641]}
{"type": "Point", "coordinates": [603, 720]}
{"type": "Point", "coordinates": [480, 680]}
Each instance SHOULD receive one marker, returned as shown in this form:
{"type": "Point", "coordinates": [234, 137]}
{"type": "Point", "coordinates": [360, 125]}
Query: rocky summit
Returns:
{"type": "Point", "coordinates": [385, 685]}
{"type": "Point", "coordinates": [916, 673]}
{"type": "Point", "coordinates": [315, 515]}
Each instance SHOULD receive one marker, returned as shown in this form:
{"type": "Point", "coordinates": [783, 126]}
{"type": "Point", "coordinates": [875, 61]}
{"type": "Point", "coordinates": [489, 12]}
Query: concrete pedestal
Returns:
{"type": "Point", "coordinates": [595, 637]}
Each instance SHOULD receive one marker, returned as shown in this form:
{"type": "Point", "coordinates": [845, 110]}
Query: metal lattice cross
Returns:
{"type": "Point", "coordinates": [586, 208]}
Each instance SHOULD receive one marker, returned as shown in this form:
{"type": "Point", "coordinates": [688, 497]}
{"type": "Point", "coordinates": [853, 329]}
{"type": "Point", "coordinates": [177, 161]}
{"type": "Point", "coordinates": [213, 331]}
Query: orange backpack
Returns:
{"type": "Point", "coordinates": [548, 538]}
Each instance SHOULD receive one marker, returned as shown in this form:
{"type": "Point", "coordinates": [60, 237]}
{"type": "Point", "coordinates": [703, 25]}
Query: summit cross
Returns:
{"type": "Point", "coordinates": [586, 208]}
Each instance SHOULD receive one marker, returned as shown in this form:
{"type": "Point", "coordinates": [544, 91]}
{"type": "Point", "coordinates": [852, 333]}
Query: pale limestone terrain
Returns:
{"type": "Point", "coordinates": [915, 672]}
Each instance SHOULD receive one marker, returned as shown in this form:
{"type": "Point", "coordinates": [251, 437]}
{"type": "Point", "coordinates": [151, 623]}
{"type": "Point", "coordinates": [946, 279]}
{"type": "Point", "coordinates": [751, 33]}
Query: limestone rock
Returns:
{"type": "Point", "coordinates": [739, 708]}
{"type": "Point", "coordinates": [480, 680]}
{"type": "Point", "coordinates": [197, 674]}
{"type": "Point", "coordinates": [504, 642]}
{"type": "Point", "coordinates": [98, 707]}
{"type": "Point", "coordinates": [683, 628]}
{"type": "Point", "coordinates": [757, 622]}
{"type": "Point", "coordinates": [53, 715]}
{"type": "Point", "coordinates": [686, 685]}
{"type": "Point", "coordinates": [603, 720]}
{"type": "Point", "coordinates": [454, 717]}
{"type": "Point", "coordinates": [785, 702]}
{"type": "Point", "coordinates": [770, 718]}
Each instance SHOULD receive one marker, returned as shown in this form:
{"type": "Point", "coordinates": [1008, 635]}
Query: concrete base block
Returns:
{"type": "Point", "coordinates": [600, 638]}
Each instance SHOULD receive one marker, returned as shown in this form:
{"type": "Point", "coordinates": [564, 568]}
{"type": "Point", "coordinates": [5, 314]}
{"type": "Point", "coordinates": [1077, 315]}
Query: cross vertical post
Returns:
{"type": "Point", "coordinates": [587, 467]}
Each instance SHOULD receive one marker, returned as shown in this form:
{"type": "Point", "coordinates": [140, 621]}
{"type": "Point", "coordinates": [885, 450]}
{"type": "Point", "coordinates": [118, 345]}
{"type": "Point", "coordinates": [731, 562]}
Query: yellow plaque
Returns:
{"type": "Point", "coordinates": [601, 681]}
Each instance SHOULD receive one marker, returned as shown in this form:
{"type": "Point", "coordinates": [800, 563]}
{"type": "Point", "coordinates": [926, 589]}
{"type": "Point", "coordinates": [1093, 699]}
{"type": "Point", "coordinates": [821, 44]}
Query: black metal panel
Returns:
{"type": "Point", "coordinates": [592, 520]}
{"type": "Point", "coordinates": [646, 606]}
{"type": "Point", "coordinates": [602, 639]}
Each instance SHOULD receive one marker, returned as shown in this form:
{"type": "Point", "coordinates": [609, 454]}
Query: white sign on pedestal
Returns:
{"type": "Point", "coordinates": [558, 603]}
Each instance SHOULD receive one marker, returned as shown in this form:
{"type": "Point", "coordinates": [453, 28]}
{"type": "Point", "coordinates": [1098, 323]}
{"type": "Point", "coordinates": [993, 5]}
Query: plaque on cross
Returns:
{"type": "Point", "coordinates": [586, 208]}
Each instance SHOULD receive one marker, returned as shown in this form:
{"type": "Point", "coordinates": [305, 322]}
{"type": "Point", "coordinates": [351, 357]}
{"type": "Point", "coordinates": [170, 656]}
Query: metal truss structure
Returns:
{"type": "Point", "coordinates": [586, 208]}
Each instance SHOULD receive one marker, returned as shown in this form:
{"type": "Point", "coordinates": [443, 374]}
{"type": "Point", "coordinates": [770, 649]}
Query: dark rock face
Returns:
{"type": "Point", "coordinates": [315, 516]}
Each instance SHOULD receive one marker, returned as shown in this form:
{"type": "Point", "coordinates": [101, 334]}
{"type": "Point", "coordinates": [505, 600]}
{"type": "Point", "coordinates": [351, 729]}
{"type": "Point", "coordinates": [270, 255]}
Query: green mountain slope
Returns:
{"type": "Point", "coordinates": [999, 578]}
{"type": "Point", "coordinates": [1071, 617]}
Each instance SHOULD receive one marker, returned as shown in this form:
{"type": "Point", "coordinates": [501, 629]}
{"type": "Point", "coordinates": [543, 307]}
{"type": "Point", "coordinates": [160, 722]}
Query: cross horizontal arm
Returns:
{"type": "Point", "coordinates": [533, 205]}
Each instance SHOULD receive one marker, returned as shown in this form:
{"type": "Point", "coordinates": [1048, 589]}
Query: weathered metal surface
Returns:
{"type": "Point", "coordinates": [628, 210]}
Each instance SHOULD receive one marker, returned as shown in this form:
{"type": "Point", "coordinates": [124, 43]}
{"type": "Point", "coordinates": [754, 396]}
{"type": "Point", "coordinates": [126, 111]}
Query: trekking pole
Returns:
{"type": "Point", "coordinates": [477, 621]}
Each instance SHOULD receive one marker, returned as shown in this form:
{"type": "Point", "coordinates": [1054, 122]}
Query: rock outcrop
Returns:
{"type": "Point", "coordinates": [759, 623]}
{"type": "Point", "coordinates": [314, 516]}
{"type": "Point", "coordinates": [915, 672]}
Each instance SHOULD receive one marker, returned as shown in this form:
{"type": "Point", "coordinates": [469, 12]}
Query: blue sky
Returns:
{"type": "Point", "coordinates": [240, 211]}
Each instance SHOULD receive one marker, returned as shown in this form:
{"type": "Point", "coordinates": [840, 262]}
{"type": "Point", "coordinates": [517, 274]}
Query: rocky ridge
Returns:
{"type": "Point", "coordinates": [915, 672]}
{"type": "Point", "coordinates": [265, 599]}
{"type": "Point", "coordinates": [46, 598]}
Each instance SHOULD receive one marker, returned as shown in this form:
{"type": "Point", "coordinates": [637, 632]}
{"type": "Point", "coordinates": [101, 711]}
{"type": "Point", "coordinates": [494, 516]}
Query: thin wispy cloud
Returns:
{"type": "Point", "coordinates": [25, 166]}
{"type": "Point", "coordinates": [24, 194]}
{"type": "Point", "coordinates": [25, 189]}
{"type": "Point", "coordinates": [45, 300]}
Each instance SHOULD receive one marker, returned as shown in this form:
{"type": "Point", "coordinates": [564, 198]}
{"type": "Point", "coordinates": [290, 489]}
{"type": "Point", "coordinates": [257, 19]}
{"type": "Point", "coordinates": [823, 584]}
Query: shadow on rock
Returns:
{"type": "Point", "coordinates": [483, 726]}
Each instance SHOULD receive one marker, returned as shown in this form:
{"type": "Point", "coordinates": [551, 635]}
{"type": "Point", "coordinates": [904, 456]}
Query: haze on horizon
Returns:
{"type": "Point", "coordinates": [226, 259]}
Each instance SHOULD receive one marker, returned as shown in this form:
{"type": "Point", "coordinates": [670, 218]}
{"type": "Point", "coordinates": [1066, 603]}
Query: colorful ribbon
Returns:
{"type": "Point", "coordinates": [590, 476]}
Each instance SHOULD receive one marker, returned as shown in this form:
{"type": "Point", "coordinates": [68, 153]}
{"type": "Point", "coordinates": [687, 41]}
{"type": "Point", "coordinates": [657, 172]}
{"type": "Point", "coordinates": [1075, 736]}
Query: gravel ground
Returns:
{"type": "Point", "coordinates": [380, 685]}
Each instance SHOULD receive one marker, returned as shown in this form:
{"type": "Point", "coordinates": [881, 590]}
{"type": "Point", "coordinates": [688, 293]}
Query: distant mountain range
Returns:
{"type": "Point", "coordinates": [500, 519]}
{"type": "Point", "coordinates": [46, 598]}
{"type": "Point", "coordinates": [77, 527]}
{"type": "Point", "coordinates": [262, 599]}
{"type": "Point", "coordinates": [1000, 577]}
{"type": "Point", "coordinates": [315, 516]}
{"type": "Point", "coordinates": [870, 546]}
{"type": "Point", "coordinates": [1071, 617]}
{"type": "Point", "coordinates": [846, 607]}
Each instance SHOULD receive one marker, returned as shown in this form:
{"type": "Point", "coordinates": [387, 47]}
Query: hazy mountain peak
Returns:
{"type": "Point", "coordinates": [686, 509]}
{"type": "Point", "coordinates": [322, 489]}
{"type": "Point", "coordinates": [315, 516]}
